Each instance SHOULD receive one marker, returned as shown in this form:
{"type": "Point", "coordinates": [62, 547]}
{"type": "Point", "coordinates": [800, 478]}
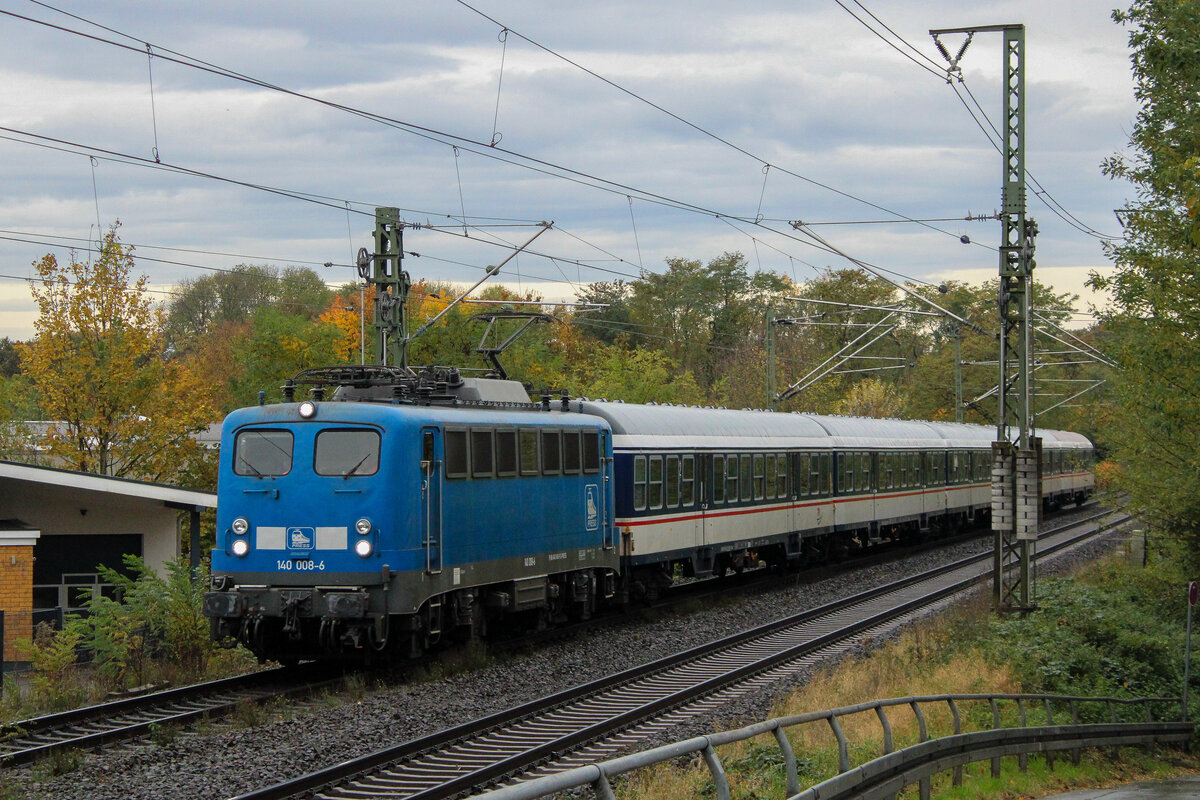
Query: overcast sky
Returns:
{"type": "Point", "coordinates": [853, 131]}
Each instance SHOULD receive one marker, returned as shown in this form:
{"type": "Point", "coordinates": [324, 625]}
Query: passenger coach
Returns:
{"type": "Point", "coordinates": [704, 490]}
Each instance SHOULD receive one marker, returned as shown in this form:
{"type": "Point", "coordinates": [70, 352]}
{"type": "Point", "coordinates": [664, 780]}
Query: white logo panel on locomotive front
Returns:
{"type": "Point", "coordinates": [301, 538]}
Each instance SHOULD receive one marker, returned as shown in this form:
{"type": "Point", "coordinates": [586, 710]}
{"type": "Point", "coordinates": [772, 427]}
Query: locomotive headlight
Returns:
{"type": "Point", "coordinates": [240, 547]}
{"type": "Point", "coordinates": [240, 526]}
{"type": "Point", "coordinates": [307, 409]}
{"type": "Point", "coordinates": [363, 547]}
{"type": "Point", "coordinates": [363, 526]}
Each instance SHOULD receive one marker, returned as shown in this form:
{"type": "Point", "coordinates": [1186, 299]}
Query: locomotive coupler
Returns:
{"type": "Point", "coordinates": [291, 606]}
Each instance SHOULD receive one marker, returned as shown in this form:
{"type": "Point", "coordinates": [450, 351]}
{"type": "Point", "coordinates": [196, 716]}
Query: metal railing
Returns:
{"type": "Point", "coordinates": [884, 776]}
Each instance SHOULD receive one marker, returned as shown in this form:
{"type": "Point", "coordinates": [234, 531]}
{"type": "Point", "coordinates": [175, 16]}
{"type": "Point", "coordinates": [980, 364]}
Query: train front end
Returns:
{"type": "Point", "coordinates": [312, 519]}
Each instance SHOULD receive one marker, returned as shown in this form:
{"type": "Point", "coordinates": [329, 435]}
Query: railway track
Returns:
{"type": "Point", "coordinates": [512, 742]}
{"type": "Point", "coordinates": [121, 720]}
{"type": "Point", "coordinates": [108, 724]}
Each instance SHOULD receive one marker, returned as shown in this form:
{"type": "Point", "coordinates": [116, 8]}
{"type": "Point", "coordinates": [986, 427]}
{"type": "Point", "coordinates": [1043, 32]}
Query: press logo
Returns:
{"type": "Point", "coordinates": [592, 507]}
{"type": "Point", "coordinates": [301, 538]}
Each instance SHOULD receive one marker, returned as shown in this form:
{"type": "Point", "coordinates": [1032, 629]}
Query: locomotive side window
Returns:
{"type": "Point", "coordinates": [529, 452]}
{"type": "Point", "coordinates": [687, 482]}
{"type": "Point", "coordinates": [483, 460]}
{"type": "Point", "coordinates": [672, 481]}
{"type": "Point", "coordinates": [506, 453]}
{"type": "Point", "coordinates": [718, 479]}
{"type": "Point", "coordinates": [591, 452]}
{"type": "Point", "coordinates": [262, 453]}
{"type": "Point", "coordinates": [551, 452]}
{"type": "Point", "coordinates": [639, 483]}
{"type": "Point", "coordinates": [346, 452]}
{"type": "Point", "coordinates": [570, 452]}
{"type": "Point", "coordinates": [656, 482]}
{"type": "Point", "coordinates": [456, 453]}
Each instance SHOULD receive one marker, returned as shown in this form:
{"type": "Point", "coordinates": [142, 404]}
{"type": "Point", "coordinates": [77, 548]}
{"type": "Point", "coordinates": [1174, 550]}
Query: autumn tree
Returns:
{"type": "Point", "coordinates": [1155, 289]}
{"type": "Point", "coordinates": [117, 406]}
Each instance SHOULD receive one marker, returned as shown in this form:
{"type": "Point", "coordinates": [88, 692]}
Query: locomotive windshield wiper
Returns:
{"type": "Point", "coordinates": [354, 469]}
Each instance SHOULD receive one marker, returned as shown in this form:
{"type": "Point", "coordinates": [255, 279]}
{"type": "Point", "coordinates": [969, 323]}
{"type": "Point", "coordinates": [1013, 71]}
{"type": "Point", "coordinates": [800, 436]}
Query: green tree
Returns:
{"type": "Point", "coordinates": [117, 406]}
{"type": "Point", "coordinates": [1155, 289]}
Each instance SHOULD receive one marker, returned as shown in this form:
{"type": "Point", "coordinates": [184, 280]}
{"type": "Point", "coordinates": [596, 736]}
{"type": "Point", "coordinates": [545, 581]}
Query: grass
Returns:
{"type": "Point", "coordinates": [966, 652]}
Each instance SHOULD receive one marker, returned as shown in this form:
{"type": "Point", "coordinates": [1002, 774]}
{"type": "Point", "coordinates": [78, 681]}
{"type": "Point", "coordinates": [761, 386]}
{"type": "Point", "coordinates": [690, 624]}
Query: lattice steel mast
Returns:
{"type": "Point", "coordinates": [1016, 488]}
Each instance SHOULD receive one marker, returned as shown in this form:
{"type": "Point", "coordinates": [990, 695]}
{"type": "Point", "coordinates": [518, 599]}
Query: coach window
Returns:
{"type": "Point", "coordinates": [768, 487]}
{"type": "Point", "coordinates": [551, 452]}
{"type": "Point", "coordinates": [639, 483]}
{"type": "Point", "coordinates": [866, 472]}
{"type": "Point", "coordinates": [800, 470]}
{"type": "Point", "coordinates": [825, 482]}
{"type": "Point", "coordinates": [718, 492]}
{"type": "Point", "coordinates": [888, 476]}
{"type": "Point", "coordinates": [846, 481]}
{"type": "Point", "coordinates": [529, 452]}
{"type": "Point", "coordinates": [591, 452]}
{"type": "Point", "coordinates": [672, 481]}
{"type": "Point", "coordinates": [456, 454]}
{"type": "Point", "coordinates": [731, 478]}
{"type": "Point", "coordinates": [781, 475]}
{"type": "Point", "coordinates": [262, 453]}
{"type": "Point", "coordinates": [344, 453]}
{"type": "Point", "coordinates": [506, 453]}
{"type": "Point", "coordinates": [483, 459]}
{"type": "Point", "coordinates": [747, 476]}
{"type": "Point", "coordinates": [656, 482]}
{"type": "Point", "coordinates": [687, 481]}
{"type": "Point", "coordinates": [570, 440]}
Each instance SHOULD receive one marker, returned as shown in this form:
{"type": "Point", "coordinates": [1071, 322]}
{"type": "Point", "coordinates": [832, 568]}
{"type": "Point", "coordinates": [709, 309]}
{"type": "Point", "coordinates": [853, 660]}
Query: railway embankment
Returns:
{"type": "Point", "coordinates": [1108, 627]}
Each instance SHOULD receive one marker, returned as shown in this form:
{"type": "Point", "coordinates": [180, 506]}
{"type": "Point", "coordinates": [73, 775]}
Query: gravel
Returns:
{"type": "Point", "coordinates": [224, 761]}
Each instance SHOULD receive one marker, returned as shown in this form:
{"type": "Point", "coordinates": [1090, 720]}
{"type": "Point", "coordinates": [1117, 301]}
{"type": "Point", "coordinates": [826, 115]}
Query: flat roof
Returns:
{"type": "Point", "coordinates": [125, 487]}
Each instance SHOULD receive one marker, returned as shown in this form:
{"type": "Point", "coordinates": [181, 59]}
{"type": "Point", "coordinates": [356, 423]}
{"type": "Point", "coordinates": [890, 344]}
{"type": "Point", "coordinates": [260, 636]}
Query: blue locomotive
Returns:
{"type": "Point", "coordinates": [410, 509]}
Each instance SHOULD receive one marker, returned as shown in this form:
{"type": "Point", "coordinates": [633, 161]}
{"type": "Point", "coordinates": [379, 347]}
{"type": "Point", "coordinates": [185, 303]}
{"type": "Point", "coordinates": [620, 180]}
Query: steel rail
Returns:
{"type": "Point", "coordinates": [482, 751]}
{"type": "Point", "coordinates": [118, 720]}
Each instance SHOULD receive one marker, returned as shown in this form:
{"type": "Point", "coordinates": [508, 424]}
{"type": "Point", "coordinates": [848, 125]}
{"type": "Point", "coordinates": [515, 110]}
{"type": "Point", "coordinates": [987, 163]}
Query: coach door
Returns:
{"type": "Point", "coordinates": [431, 499]}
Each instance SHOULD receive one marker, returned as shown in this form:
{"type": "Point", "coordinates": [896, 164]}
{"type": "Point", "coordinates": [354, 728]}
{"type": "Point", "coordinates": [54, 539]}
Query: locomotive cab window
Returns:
{"type": "Point", "coordinates": [262, 453]}
{"type": "Point", "coordinates": [345, 453]}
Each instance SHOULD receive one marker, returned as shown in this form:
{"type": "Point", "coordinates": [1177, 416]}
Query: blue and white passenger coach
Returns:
{"type": "Point", "coordinates": [354, 525]}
